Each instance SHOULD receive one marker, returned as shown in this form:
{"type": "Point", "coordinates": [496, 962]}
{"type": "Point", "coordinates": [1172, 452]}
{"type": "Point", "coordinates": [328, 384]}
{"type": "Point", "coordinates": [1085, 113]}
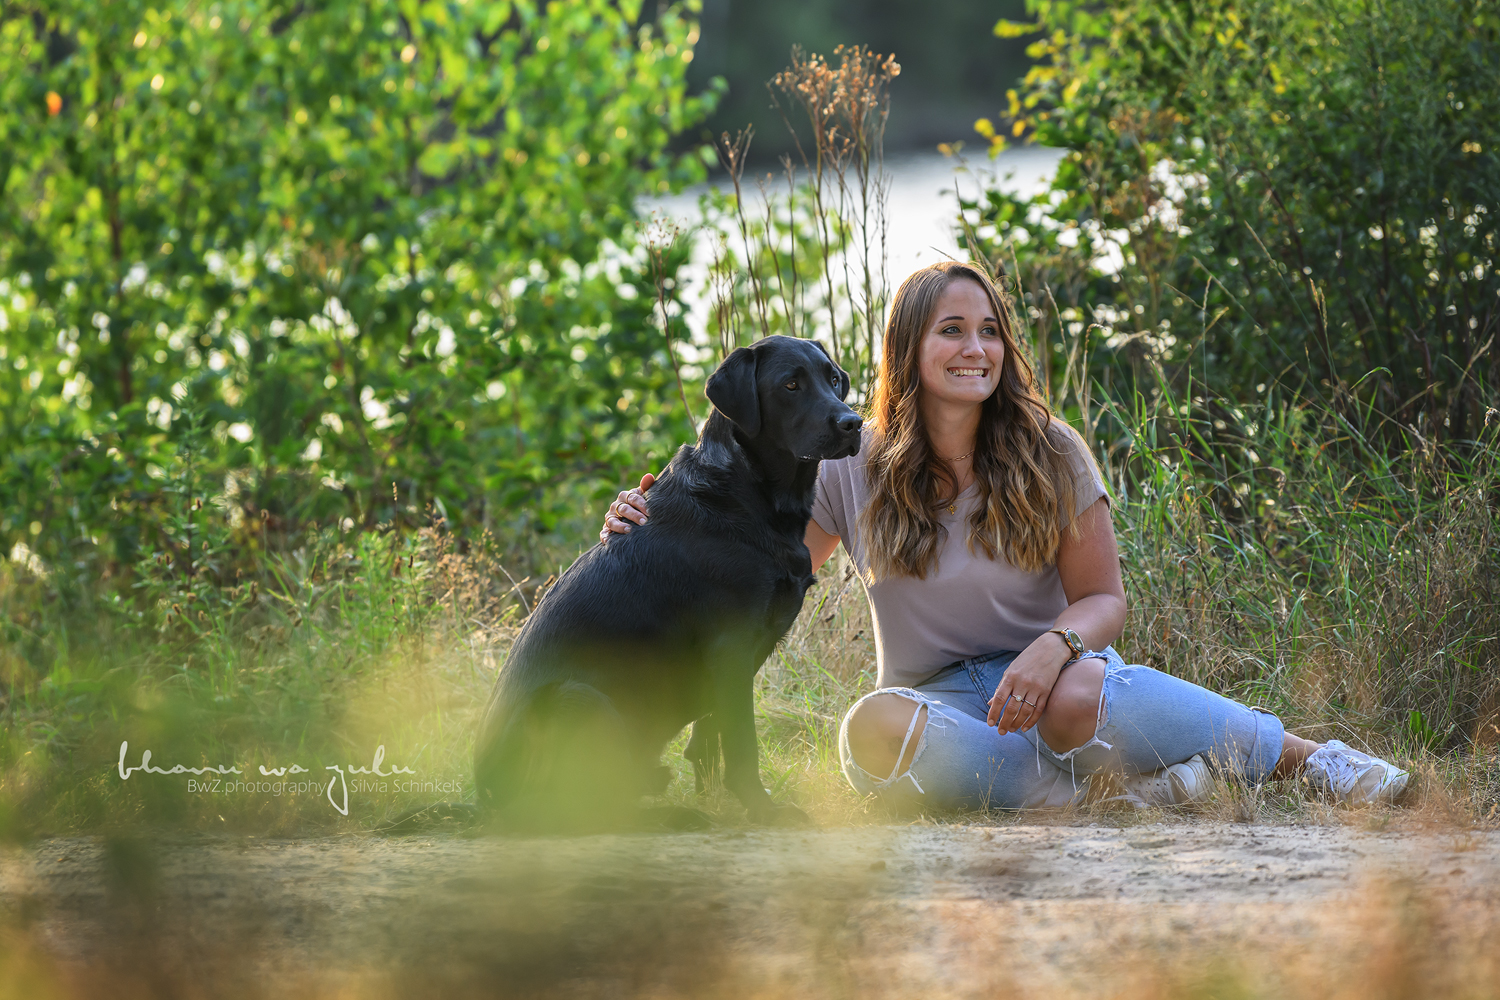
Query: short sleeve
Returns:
{"type": "Point", "coordinates": [828, 503]}
{"type": "Point", "coordinates": [1087, 479]}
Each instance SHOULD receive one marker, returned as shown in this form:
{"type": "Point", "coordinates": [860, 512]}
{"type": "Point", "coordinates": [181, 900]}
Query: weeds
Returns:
{"type": "Point", "coordinates": [810, 258]}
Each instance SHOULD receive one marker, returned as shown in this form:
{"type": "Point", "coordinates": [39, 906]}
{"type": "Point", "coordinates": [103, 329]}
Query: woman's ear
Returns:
{"type": "Point", "coordinates": [732, 390]}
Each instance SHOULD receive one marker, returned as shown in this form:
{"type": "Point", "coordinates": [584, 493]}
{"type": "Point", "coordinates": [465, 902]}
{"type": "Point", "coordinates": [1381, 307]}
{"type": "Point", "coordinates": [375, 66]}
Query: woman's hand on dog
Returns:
{"type": "Point", "coordinates": [627, 509]}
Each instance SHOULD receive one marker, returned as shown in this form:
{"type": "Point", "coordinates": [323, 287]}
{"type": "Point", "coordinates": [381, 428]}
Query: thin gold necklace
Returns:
{"type": "Point", "coordinates": [953, 507]}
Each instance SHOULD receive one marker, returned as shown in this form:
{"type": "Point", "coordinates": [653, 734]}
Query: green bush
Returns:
{"type": "Point", "coordinates": [388, 251]}
{"type": "Point", "coordinates": [1300, 190]}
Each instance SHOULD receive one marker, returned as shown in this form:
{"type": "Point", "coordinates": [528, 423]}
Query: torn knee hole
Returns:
{"type": "Point", "coordinates": [885, 732]}
{"type": "Point", "coordinates": [912, 740]}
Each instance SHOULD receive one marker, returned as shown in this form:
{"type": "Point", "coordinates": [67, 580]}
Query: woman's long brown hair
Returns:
{"type": "Point", "coordinates": [1026, 484]}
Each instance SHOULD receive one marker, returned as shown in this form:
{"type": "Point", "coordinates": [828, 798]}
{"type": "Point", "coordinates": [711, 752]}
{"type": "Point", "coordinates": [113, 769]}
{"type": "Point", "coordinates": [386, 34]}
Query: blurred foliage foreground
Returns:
{"type": "Point", "coordinates": [320, 325]}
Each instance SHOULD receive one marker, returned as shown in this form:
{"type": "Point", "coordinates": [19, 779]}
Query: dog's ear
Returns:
{"type": "Point", "coordinates": [843, 375]}
{"type": "Point", "coordinates": [733, 391]}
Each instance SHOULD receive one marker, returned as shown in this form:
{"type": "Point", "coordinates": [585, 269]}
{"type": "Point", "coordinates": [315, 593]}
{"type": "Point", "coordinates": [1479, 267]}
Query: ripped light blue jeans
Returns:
{"type": "Point", "coordinates": [1147, 720]}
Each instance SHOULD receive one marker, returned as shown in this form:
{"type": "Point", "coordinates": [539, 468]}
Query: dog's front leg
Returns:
{"type": "Point", "coordinates": [735, 713]}
{"type": "Point", "coordinates": [703, 751]}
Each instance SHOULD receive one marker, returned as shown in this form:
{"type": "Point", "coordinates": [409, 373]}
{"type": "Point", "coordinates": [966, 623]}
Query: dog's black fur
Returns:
{"type": "Point", "coordinates": [668, 624]}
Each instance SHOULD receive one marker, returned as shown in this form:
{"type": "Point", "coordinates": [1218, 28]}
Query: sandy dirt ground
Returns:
{"type": "Point", "coordinates": [1180, 908]}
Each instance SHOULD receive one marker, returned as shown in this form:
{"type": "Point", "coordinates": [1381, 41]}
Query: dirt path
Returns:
{"type": "Point", "coordinates": [1167, 909]}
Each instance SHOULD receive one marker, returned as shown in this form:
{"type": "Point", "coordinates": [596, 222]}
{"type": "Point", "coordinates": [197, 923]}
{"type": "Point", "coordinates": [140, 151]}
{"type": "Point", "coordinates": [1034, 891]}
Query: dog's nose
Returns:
{"type": "Point", "coordinates": [849, 423]}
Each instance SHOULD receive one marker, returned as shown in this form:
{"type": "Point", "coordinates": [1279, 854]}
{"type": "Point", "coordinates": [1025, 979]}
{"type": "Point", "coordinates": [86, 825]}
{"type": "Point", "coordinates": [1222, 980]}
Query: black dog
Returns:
{"type": "Point", "coordinates": [667, 625]}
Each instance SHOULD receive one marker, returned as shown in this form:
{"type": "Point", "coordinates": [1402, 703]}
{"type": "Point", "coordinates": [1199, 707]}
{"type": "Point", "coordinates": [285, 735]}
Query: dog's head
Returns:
{"type": "Point", "coordinates": [788, 393]}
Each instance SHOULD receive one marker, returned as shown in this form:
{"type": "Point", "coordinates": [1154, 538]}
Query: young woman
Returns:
{"type": "Point", "coordinates": [981, 527]}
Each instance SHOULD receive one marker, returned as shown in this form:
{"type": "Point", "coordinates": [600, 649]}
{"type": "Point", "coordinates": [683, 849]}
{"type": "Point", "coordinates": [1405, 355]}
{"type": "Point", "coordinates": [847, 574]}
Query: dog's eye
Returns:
{"type": "Point", "coordinates": [792, 384]}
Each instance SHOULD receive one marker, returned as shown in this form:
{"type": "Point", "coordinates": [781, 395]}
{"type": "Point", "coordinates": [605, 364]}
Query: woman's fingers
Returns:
{"type": "Point", "coordinates": [1016, 711]}
{"type": "Point", "coordinates": [628, 508]}
{"type": "Point", "coordinates": [1007, 708]}
{"type": "Point", "coordinates": [998, 701]}
{"type": "Point", "coordinates": [632, 507]}
{"type": "Point", "coordinates": [1011, 719]}
{"type": "Point", "coordinates": [632, 503]}
{"type": "Point", "coordinates": [1032, 714]}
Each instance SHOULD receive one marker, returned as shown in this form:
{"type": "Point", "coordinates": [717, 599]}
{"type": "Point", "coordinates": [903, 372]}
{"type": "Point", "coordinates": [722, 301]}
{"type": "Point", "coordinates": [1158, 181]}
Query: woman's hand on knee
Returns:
{"type": "Point", "coordinates": [627, 509]}
{"type": "Point", "coordinates": [1023, 692]}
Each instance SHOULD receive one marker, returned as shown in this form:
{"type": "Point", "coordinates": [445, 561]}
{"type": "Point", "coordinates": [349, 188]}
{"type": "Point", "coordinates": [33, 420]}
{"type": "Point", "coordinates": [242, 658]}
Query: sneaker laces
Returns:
{"type": "Point", "coordinates": [1346, 772]}
{"type": "Point", "coordinates": [1337, 770]}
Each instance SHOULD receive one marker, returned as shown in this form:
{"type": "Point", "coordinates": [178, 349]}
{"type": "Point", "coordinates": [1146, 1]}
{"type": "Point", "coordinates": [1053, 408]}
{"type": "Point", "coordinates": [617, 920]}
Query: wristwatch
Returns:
{"type": "Point", "coordinates": [1073, 639]}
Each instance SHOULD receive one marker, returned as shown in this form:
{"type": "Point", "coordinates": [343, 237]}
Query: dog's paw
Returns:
{"type": "Point", "coordinates": [779, 814]}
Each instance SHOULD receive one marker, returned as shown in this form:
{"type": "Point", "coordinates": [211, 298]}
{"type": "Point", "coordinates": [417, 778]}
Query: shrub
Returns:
{"type": "Point", "coordinates": [1298, 190]}
{"type": "Point", "coordinates": [374, 244]}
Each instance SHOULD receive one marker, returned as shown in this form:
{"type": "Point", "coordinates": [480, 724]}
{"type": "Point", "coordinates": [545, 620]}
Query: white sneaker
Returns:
{"type": "Point", "coordinates": [1353, 778]}
{"type": "Point", "coordinates": [1177, 785]}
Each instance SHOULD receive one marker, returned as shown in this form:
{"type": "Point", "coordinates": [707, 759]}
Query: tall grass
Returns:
{"type": "Point", "coordinates": [1269, 554]}
{"type": "Point", "coordinates": [1273, 551]}
{"type": "Point", "coordinates": [804, 252]}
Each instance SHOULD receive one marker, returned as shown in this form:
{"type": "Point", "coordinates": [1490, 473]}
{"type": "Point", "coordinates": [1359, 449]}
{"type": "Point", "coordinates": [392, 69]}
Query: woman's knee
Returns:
{"type": "Point", "coordinates": [1072, 714]}
{"type": "Point", "coordinates": [882, 733]}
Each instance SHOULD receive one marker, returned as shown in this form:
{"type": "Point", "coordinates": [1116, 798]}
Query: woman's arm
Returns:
{"type": "Point", "coordinates": [630, 508]}
{"type": "Point", "coordinates": [1089, 567]}
{"type": "Point", "coordinates": [820, 544]}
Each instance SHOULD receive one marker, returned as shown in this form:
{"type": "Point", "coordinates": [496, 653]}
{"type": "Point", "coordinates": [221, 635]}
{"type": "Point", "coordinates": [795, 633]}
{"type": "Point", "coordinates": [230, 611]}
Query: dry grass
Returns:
{"type": "Point", "coordinates": [1374, 624]}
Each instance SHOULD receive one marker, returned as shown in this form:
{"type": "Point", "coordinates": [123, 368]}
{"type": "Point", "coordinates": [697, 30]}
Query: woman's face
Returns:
{"type": "Point", "coordinates": [959, 359]}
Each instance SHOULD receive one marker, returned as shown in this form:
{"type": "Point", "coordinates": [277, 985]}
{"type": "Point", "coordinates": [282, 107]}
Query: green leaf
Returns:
{"type": "Point", "coordinates": [1005, 28]}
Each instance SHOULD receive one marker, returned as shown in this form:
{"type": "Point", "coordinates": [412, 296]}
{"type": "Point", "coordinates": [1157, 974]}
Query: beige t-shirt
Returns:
{"type": "Point", "coordinates": [969, 604]}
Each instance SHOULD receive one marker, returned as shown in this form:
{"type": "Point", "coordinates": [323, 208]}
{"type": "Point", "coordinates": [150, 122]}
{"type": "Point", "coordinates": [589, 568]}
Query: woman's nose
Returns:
{"type": "Point", "coordinates": [972, 347]}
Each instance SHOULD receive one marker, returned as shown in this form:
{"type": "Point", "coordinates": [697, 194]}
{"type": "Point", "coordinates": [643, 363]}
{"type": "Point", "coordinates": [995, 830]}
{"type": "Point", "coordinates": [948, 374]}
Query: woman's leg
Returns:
{"type": "Point", "coordinates": [1148, 720]}
{"type": "Point", "coordinates": [1072, 718]}
{"type": "Point", "coordinates": [1294, 753]}
{"type": "Point", "coordinates": [930, 747]}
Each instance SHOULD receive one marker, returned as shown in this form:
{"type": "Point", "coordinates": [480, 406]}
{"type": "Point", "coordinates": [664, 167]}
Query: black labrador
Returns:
{"type": "Point", "coordinates": [667, 625]}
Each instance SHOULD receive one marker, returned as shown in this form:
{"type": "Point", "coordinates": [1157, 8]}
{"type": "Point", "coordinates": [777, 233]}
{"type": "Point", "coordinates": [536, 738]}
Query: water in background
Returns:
{"type": "Point", "coordinates": [921, 210]}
